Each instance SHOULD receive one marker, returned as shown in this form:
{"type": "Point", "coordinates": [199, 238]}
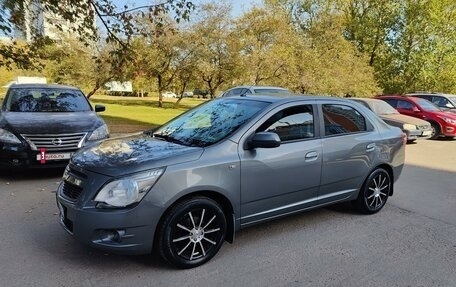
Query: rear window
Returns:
{"type": "Point", "coordinates": [45, 100]}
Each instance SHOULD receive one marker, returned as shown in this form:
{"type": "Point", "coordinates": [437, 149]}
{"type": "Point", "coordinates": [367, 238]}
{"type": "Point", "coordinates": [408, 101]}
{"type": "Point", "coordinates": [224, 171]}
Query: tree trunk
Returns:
{"type": "Point", "coordinates": [160, 90]}
{"type": "Point", "coordinates": [95, 89]}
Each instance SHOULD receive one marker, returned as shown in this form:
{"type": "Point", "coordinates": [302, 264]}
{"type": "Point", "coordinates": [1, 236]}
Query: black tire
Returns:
{"type": "Point", "coordinates": [374, 192]}
{"type": "Point", "coordinates": [192, 232]}
{"type": "Point", "coordinates": [435, 131]}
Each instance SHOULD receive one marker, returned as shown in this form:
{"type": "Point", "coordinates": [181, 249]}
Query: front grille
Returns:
{"type": "Point", "coordinates": [71, 191]}
{"type": "Point", "coordinates": [55, 142]}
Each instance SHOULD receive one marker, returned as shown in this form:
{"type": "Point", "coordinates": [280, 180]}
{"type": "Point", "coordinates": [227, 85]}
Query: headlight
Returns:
{"type": "Point", "coordinates": [128, 190]}
{"type": "Point", "coordinates": [8, 137]}
{"type": "Point", "coordinates": [448, 120]}
{"type": "Point", "coordinates": [100, 133]}
{"type": "Point", "coordinates": [408, 127]}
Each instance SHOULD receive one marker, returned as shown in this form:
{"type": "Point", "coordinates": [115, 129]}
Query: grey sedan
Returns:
{"type": "Point", "coordinates": [230, 163]}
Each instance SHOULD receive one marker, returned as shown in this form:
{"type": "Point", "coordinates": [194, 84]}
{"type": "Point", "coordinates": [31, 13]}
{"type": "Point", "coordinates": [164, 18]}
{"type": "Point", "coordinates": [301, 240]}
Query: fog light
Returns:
{"type": "Point", "coordinates": [449, 129]}
{"type": "Point", "coordinates": [111, 236]}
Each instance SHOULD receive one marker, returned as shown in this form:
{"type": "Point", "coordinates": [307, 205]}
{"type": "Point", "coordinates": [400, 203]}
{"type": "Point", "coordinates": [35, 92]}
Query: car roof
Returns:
{"type": "Point", "coordinates": [367, 100]}
{"type": "Point", "coordinates": [259, 87]}
{"type": "Point", "coordinates": [285, 98]}
{"type": "Point", "coordinates": [42, 86]}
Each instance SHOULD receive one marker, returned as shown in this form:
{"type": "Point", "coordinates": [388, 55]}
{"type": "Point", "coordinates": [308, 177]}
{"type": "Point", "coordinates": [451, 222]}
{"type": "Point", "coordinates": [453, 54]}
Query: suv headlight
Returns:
{"type": "Point", "coordinates": [409, 127]}
{"type": "Point", "coordinates": [8, 137]}
{"type": "Point", "coordinates": [128, 190]}
{"type": "Point", "coordinates": [100, 133]}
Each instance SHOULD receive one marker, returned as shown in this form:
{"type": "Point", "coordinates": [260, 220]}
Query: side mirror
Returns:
{"type": "Point", "coordinates": [415, 110]}
{"type": "Point", "coordinates": [99, 108]}
{"type": "Point", "coordinates": [264, 140]}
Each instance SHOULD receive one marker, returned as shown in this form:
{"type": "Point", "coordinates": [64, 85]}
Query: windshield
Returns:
{"type": "Point", "coordinates": [427, 105]}
{"type": "Point", "coordinates": [383, 108]}
{"type": "Point", "coordinates": [453, 99]}
{"type": "Point", "coordinates": [210, 122]}
{"type": "Point", "coordinates": [45, 100]}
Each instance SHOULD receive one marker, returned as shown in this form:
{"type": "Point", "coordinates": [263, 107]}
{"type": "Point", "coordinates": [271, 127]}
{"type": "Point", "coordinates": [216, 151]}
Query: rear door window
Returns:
{"type": "Point", "coordinates": [341, 119]}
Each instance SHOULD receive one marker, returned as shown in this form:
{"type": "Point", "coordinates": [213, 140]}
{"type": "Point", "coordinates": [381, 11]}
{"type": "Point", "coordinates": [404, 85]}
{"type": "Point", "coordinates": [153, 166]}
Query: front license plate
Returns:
{"type": "Point", "coordinates": [54, 156]}
{"type": "Point", "coordinates": [426, 133]}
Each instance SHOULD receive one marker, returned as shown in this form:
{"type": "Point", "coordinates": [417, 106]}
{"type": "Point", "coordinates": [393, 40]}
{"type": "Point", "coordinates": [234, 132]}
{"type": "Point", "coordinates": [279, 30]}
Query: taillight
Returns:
{"type": "Point", "coordinates": [404, 138]}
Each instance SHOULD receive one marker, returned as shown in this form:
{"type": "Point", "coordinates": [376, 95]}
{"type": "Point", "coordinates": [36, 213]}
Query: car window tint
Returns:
{"type": "Point", "coordinates": [392, 102]}
{"type": "Point", "coordinates": [46, 100]}
{"type": "Point", "coordinates": [292, 123]}
{"type": "Point", "coordinates": [341, 119]}
{"type": "Point", "coordinates": [404, 105]}
{"type": "Point", "coordinates": [441, 102]}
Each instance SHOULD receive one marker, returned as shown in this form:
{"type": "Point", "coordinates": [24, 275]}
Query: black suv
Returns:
{"type": "Point", "coordinates": [444, 101]}
{"type": "Point", "coordinates": [42, 125]}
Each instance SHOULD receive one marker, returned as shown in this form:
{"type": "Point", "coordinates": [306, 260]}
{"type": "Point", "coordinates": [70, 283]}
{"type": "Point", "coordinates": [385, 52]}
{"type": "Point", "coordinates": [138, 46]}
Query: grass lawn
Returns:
{"type": "Point", "coordinates": [132, 114]}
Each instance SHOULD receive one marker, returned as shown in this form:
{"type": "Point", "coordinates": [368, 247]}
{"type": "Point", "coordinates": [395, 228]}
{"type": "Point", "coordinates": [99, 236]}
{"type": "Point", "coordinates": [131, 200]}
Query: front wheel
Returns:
{"type": "Point", "coordinates": [374, 192]}
{"type": "Point", "coordinates": [192, 232]}
{"type": "Point", "coordinates": [435, 131]}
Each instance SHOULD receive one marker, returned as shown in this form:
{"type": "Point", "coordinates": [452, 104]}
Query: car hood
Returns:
{"type": "Point", "coordinates": [120, 156]}
{"type": "Point", "coordinates": [447, 114]}
{"type": "Point", "coordinates": [403, 119]}
{"type": "Point", "coordinates": [50, 123]}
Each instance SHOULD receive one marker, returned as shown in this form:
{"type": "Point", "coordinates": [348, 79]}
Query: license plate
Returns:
{"type": "Point", "coordinates": [426, 133]}
{"type": "Point", "coordinates": [54, 156]}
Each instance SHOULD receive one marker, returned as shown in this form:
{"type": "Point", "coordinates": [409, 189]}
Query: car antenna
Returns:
{"type": "Point", "coordinates": [244, 94]}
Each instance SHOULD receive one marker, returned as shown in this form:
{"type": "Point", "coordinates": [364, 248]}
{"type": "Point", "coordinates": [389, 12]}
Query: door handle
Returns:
{"type": "Point", "coordinates": [371, 147]}
{"type": "Point", "coordinates": [311, 156]}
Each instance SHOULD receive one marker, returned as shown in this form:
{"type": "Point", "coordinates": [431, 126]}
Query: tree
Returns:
{"type": "Point", "coordinates": [217, 47]}
{"type": "Point", "coordinates": [322, 60]}
{"type": "Point", "coordinates": [410, 43]}
{"type": "Point", "coordinates": [78, 16]}
{"type": "Point", "coordinates": [265, 46]}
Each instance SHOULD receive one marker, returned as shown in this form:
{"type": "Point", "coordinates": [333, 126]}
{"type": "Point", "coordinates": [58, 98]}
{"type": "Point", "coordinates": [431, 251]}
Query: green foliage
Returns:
{"type": "Point", "coordinates": [335, 47]}
{"type": "Point", "coordinates": [410, 42]}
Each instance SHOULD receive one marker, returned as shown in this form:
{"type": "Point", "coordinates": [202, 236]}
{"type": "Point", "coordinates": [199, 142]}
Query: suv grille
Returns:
{"type": "Point", "coordinates": [55, 142]}
{"type": "Point", "coordinates": [71, 191]}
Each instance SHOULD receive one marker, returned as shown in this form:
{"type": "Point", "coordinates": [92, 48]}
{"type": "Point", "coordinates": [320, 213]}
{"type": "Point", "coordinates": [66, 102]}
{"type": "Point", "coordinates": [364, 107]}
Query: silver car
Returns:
{"type": "Point", "coordinates": [230, 163]}
{"type": "Point", "coordinates": [256, 90]}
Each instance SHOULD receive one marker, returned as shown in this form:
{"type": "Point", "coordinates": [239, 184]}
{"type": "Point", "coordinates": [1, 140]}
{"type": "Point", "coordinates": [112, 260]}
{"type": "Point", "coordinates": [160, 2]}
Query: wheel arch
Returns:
{"type": "Point", "coordinates": [224, 203]}
{"type": "Point", "coordinates": [438, 124]}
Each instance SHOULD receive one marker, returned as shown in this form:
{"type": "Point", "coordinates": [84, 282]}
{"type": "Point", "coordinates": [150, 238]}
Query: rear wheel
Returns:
{"type": "Point", "coordinates": [192, 232]}
{"type": "Point", "coordinates": [374, 192]}
{"type": "Point", "coordinates": [435, 131]}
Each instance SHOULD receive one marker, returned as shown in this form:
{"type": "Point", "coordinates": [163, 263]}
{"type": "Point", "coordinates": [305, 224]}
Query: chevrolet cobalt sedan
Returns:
{"type": "Point", "coordinates": [190, 185]}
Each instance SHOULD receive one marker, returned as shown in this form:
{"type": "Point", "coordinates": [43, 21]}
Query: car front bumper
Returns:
{"type": "Point", "coordinates": [19, 157]}
{"type": "Point", "coordinates": [127, 231]}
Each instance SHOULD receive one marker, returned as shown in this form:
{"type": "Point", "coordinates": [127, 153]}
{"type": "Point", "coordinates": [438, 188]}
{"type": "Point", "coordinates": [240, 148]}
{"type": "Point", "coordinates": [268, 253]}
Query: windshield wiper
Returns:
{"type": "Point", "coordinates": [169, 139]}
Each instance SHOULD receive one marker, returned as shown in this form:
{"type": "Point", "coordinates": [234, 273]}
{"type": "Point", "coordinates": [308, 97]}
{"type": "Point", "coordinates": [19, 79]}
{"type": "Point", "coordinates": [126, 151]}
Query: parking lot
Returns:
{"type": "Point", "coordinates": [411, 242]}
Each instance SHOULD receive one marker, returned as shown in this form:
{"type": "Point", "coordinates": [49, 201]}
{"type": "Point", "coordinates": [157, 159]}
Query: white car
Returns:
{"type": "Point", "coordinates": [253, 90]}
{"type": "Point", "coordinates": [169, 95]}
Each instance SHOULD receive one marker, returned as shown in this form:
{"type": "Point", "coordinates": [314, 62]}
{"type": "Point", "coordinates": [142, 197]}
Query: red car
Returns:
{"type": "Point", "coordinates": [443, 123]}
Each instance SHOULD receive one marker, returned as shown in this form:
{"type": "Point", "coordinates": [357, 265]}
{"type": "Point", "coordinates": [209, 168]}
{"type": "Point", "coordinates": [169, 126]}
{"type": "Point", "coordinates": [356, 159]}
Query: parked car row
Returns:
{"type": "Point", "coordinates": [252, 155]}
{"type": "Point", "coordinates": [443, 123]}
{"type": "Point", "coordinates": [414, 128]}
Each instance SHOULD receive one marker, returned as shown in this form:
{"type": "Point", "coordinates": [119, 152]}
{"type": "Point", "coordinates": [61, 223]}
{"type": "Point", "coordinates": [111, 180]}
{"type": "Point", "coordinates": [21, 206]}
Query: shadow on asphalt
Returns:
{"type": "Point", "coordinates": [12, 175]}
